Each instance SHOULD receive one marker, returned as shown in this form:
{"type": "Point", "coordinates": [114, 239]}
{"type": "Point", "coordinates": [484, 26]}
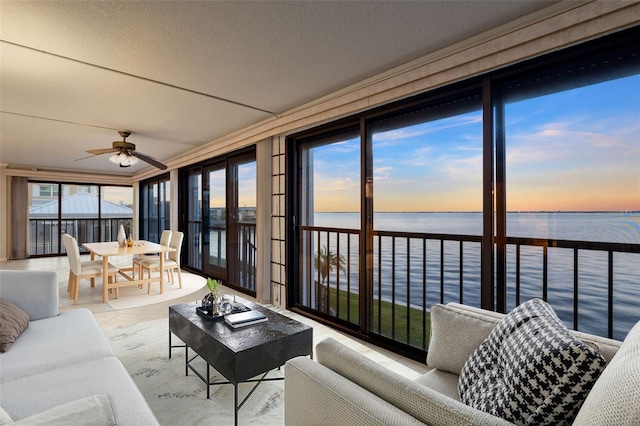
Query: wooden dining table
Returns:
{"type": "Point", "coordinates": [107, 249]}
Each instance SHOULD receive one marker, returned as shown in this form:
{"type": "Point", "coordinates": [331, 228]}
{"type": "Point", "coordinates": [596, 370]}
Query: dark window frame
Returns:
{"type": "Point", "coordinates": [144, 199]}
{"type": "Point", "coordinates": [601, 52]}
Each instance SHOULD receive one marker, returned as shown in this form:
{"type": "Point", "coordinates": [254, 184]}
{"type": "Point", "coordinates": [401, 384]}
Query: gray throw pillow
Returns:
{"type": "Point", "coordinates": [531, 370]}
{"type": "Point", "coordinates": [13, 321]}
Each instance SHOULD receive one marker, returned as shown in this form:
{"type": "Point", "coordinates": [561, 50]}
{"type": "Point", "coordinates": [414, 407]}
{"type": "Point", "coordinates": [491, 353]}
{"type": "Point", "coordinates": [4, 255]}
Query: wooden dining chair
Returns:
{"type": "Point", "coordinates": [165, 239]}
{"type": "Point", "coordinates": [87, 269]}
{"type": "Point", "coordinates": [171, 264]}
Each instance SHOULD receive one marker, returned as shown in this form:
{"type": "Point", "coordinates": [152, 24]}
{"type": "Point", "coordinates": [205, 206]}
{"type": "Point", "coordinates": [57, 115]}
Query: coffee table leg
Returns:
{"type": "Point", "coordinates": [208, 383]}
{"type": "Point", "coordinates": [235, 404]}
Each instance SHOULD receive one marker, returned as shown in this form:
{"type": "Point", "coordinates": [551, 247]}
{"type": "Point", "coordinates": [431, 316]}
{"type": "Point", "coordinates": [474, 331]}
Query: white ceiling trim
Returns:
{"type": "Point", "coordinates": [65, 176]}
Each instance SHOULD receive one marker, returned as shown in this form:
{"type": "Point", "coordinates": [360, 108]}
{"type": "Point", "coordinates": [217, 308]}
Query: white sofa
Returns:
{"type": "Point", "coordinates": [61, 369]}
{"type": "Point", "coordinates": [343, 387]}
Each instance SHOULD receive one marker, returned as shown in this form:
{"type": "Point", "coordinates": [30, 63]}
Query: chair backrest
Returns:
{"type": "Point", "coordinates": [165, 240]}
{"type": "Point", "coordinates": [73, 254]}
{"type": "Point", "coordinates": [165, 237]}
{"type": "Point", "coordinates": [176, 243]}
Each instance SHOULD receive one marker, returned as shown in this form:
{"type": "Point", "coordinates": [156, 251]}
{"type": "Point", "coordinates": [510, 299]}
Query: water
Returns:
{"type": "Point", "coordinates": [614, 227]}
{"type": "Point", "coordinates": [411, 264]}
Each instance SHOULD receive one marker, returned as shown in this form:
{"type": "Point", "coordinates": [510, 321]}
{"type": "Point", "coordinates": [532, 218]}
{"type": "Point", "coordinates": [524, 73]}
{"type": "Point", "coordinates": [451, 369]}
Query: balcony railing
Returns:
{"type": "Point", "coordinates": [45, 235]}
{"type": "Point", "coordinates": [245, 275]}
{"type": "Point", "coordinates": [594, 287]}
{"type": "Point", "coordinates": [247, 255]}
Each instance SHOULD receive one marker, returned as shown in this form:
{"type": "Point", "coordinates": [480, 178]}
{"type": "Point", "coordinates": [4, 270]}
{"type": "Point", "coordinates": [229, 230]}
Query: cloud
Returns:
{"type": "Point", "coordinates": [572, 143]}
{"type": "Point", "coordinates": [382, 173]}
{"type": "Point", "coordinates": [390, 137]}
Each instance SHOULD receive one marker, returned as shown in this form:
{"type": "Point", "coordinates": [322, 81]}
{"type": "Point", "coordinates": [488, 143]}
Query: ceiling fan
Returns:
{"type": "Point", "coordinates": [126, 154]}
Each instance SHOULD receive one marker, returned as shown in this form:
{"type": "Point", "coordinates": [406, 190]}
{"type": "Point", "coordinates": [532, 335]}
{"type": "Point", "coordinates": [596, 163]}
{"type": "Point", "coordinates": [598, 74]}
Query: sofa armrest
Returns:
{"type": "Point", "coordinates": [421, 402]}
{"type": "Point", "coordinates": [315, 395]}
{"type": "Point", "coordinates": [35, 292]}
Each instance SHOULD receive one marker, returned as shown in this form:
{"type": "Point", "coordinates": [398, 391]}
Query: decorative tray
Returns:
{"type": "Point", "coordinates": [208, 314]}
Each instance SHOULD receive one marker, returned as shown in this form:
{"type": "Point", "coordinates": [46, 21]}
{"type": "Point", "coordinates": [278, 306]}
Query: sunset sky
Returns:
{"type": "Point", "coordinates": [118, 194]}
{"type": "Point", "coordinates": [560, 157]}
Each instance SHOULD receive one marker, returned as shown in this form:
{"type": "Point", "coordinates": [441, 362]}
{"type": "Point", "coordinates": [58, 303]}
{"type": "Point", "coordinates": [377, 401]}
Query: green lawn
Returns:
{"type": "Point", "coordinates": [382, 318]}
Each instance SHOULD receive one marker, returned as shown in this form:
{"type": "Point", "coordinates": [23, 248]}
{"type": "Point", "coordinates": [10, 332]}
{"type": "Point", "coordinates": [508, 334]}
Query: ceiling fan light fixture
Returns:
{"type": "Point", "coordinates": [125, 154]}
{"type": "Point", "coordinates": [124, 159]}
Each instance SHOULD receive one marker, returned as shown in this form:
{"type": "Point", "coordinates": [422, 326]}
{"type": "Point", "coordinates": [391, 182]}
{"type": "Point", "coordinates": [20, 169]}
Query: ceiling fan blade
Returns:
{"type": "Point", "coordinates": [150, 160]}
{"type": "Point", "coordinates": [84, 158]}
{"type": "Point", "coordinates": [102, 151]}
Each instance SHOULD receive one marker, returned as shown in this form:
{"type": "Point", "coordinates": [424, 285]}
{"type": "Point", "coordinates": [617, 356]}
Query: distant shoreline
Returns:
{"type": "Point", "coordinates": [623, 212]}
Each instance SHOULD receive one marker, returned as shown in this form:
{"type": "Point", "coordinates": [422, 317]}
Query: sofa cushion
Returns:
{"type": "Point", "coordinates": [5, 418]}
{"type": "Point", "coordinates": [36, 393]}
{"type": "Point", "coordinates": [93, 410]}
{"type": "Point", "coordinates": [441, 381]}
{"type": "Point", "coordinates": [606, 347]}
{"type": "Point", "coordinates": [455, 334]}
{"type": "Point", "coordinates": [421, 402]}
{"type": "Point", "coordinates": [72, 337]}
{"type": "Point", "coordinates": [531, 370]}
{"type": "Point", "coordinates": [614, 399]}
{"type": "Point", "coordinates": [13, 321]}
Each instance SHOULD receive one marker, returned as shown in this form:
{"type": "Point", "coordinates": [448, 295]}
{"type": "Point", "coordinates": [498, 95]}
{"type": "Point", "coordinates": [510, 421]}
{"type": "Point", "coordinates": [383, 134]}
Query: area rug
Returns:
{"type": "Point", "coordinates": [132, 296]}
{"type": "Point", "coordinates": [177, 399]}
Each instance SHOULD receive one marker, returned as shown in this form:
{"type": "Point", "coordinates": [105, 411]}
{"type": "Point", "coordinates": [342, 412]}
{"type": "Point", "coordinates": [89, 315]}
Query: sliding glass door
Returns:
{"type": "Point", "coordinates": [192, 208]}
{"type": "Point", "coordinates": [330, 218]}
{"type": "Point", "coordinates": [220, 210]}
{"type": "Point", "coordinates": [155, 207]}
{"type": "Point", "coordinates": [214, 236]}
{"type": "Point", "coordinates": [242, 221]}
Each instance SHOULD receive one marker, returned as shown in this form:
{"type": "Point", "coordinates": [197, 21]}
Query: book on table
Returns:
{"type": "Point", "coordinates": [243, 319]}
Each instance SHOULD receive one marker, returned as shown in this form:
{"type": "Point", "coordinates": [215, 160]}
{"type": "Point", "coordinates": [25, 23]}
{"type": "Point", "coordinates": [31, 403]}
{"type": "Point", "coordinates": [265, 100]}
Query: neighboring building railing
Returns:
{"type": "Point", "coordinates": [193, 242]}
{"type": "Point", "coordinates": [593, 286]}
{"type": "Point", "coordinates": [45, 235]}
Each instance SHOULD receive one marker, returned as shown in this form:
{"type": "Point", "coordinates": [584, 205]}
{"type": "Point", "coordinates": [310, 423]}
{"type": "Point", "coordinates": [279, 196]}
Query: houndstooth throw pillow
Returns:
{"type": "Point", "coordinates": [531, 370]}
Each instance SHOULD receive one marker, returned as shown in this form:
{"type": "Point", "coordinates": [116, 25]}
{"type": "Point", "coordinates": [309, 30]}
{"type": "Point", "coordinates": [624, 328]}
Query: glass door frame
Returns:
{"type": "Point", "coordinates": [228, 163]}
{"type": "Point", "coordinates": [211, 269]}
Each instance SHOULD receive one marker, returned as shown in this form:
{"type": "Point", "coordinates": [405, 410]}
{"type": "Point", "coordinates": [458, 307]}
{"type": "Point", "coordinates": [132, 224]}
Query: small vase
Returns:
{"type": "Point", "coordinates": [122, 237]}
{"type": "Point", "coordinates": [211, 302]}
{"type": "Point", "coordinates": [215, 311]}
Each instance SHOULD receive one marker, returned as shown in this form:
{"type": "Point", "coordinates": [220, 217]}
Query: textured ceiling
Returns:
{"type": "Point", "coordinates": [180, 74]}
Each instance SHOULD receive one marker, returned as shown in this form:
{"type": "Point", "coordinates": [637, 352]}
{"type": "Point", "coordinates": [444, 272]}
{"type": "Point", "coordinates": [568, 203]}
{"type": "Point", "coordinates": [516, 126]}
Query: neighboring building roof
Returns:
{"type": "Point", "coordinates": [81, 205]}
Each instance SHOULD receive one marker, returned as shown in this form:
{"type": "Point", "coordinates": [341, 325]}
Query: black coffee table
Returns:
{"type": "Point", "coordinates": [239, 354]}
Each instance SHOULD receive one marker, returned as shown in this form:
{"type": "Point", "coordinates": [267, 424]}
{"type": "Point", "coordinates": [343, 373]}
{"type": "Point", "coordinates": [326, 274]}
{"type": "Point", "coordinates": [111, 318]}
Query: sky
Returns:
{"type": "Point", "coordinates": [247, 185]}
{"type": "Point", "coordinates": [118, 194]}
{"type": "Point", "coordinates": [576, 150]}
